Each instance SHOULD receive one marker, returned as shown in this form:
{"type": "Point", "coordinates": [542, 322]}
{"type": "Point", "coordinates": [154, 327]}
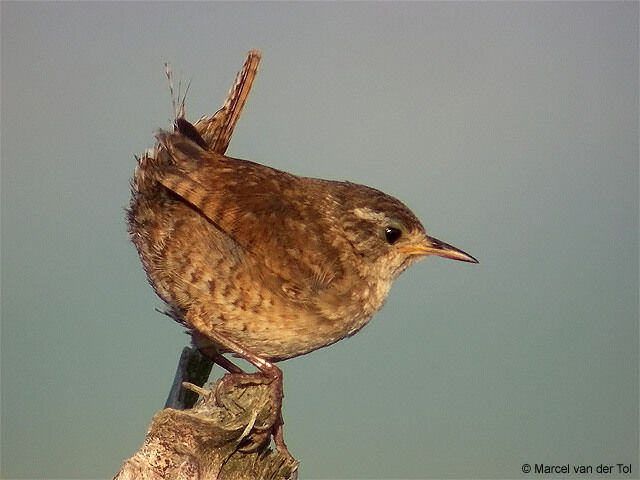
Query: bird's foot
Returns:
{"type": "Point", "coordinates": [267, 373]}
{"type": "Point", "coordinates": [272, 425]}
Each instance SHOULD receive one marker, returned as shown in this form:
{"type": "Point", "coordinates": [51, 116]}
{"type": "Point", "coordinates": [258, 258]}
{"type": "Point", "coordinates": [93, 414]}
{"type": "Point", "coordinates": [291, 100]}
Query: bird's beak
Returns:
{"type": "Point", "coordinates": [433, 246]}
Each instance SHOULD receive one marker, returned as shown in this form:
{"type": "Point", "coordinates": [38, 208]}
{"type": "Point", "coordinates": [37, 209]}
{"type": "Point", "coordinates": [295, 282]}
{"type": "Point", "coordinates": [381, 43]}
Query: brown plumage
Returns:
{"type": "Point", "coordinates": [280, 264]}
{"type": "Point", "coordinates": [259, 261]}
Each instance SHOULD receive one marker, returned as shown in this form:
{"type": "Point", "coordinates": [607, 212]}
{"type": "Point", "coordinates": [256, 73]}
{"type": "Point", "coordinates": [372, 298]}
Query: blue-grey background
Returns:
{"type": "Point", "coordinates": [511, 129]}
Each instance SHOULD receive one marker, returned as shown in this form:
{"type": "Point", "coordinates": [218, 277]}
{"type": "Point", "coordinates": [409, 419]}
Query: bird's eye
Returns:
{"type": "Point", "coordinates": [392, 234]}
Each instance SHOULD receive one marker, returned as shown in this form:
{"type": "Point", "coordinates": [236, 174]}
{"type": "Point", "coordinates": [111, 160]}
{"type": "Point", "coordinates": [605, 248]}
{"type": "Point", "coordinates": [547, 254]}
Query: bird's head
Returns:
{"type": "Point", "coordinates": [387, 236]}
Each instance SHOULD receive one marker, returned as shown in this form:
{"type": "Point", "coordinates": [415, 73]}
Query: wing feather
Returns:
{"type": "Point", "coordinates": [265, 211]}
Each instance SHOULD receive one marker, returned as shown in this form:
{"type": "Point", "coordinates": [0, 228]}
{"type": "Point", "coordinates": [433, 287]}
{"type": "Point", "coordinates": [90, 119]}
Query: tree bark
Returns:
{"type": "Point", "coordinates": [193, 367]}
{"type": "Point", "coordinates": [225, 436]}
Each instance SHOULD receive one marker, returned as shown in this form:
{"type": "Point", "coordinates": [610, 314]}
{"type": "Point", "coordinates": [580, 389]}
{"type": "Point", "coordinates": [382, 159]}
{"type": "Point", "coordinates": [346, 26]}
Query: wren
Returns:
{"type": "Point", "coordinates": [260, 262]}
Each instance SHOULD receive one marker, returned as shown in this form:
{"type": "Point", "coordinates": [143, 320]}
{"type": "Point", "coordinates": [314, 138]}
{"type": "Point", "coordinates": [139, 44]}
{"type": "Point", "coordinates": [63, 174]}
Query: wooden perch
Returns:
{"type": "Point", "coordinates": [193, 367]}
{"type": "Point", "coordinates": [224, 437]}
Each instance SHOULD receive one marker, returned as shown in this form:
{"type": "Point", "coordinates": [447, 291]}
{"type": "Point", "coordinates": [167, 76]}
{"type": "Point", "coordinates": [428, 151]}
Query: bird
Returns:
{"type": "Point", "coordinates": [262, 263]}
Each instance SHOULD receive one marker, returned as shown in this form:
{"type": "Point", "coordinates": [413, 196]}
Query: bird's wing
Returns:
{"type": "Point", "coordinates": [265, 211]}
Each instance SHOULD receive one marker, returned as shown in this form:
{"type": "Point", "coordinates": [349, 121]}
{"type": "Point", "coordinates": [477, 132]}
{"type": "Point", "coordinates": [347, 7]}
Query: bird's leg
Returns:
{"type": "Point", "coordinates": [268, 373]}
{"type": "Point", "coordinates": [209, 350]}
{"type": "Point", "coordinates": [227, 364]}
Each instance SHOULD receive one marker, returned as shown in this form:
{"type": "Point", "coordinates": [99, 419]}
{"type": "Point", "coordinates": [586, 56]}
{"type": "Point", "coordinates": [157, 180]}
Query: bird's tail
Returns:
{"type": "Point", "coordinates": [209, 133]}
